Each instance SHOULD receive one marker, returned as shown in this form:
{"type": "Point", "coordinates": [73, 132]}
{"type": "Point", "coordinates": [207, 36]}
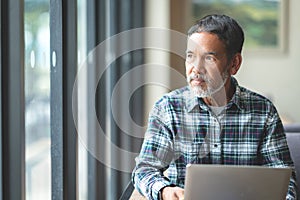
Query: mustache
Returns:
{"type": "Point", "coordinates": [197, 76]}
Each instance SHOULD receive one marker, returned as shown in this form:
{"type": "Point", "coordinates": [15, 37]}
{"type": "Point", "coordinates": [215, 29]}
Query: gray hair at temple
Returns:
{"type": "Point", "coordinates": [225, 27]}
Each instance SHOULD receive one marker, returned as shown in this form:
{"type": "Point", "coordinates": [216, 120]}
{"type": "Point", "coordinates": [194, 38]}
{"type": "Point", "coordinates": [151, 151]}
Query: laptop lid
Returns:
{"type": "Point", "coordinates": [211, 182]}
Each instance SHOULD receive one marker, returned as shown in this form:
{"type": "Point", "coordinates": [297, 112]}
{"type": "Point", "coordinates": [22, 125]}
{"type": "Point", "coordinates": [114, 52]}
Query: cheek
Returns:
{"type": "Point", "coordinates": [188, 68]}
{"type": "Point", "coordinates": [216, 71]}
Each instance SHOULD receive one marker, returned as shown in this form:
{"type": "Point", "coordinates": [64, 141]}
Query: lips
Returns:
{"type": "Point", "coordinates": [197, 81]}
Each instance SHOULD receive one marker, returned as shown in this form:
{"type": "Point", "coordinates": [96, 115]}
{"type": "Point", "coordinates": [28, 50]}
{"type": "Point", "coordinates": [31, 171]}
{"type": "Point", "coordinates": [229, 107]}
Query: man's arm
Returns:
{"type": "Point", "coordinates": [155, 156]}
{"type": "Point", "coordinates": [275, 150]}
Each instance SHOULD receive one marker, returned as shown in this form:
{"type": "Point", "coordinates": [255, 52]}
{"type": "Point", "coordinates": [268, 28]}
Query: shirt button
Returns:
{"type": "Point", "coordinates": [215, 145]}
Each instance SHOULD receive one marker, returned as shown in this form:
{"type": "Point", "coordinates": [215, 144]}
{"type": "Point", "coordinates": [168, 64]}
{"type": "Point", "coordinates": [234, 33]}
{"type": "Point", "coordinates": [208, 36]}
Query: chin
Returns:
{"type": "Point", "coordinates": [199, 92]}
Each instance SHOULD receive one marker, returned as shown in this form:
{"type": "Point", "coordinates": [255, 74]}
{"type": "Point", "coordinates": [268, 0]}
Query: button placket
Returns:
{"type": "Point", "coordinates": [215, 145]}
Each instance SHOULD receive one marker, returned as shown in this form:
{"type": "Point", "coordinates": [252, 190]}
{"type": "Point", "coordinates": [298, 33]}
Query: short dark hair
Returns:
{"type": "Point", "coordinates": [225, 27]}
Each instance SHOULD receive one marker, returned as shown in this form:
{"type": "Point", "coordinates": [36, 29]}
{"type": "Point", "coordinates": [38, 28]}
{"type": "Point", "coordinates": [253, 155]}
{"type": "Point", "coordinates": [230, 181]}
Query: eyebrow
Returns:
{"type": "Point", "coordinates": [207, 53]}
{"type": "Point", "coordinates": [211, 53]}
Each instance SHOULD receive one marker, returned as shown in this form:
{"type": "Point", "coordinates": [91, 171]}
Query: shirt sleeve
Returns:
{"type": "Point", "coordinates": [275, 150]}
{"type": "Point", "coordinates": [155, 156]}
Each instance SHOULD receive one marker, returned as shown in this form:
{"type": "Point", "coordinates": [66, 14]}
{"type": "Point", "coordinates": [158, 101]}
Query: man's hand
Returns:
{"type": "Point", "coordinates": [172, 193]}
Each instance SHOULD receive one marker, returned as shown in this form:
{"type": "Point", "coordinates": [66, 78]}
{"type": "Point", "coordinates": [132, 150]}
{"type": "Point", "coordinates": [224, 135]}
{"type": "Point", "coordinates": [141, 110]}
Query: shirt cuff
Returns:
{"type": "Point", "coordinates": [157, 186]}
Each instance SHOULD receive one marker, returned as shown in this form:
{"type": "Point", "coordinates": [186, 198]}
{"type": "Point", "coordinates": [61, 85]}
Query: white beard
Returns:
{"type": "Point", "coordinates": [200, 92]}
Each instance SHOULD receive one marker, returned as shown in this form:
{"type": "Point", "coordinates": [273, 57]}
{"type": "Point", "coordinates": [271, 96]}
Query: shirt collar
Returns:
{"type": "Point", "coordinates": [193, 101]}
{"type": "Point", "coordinates": [237, 96]}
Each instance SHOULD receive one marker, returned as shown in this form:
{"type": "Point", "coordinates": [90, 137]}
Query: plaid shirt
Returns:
{"type": "Point", "coordinates": [182, 129]}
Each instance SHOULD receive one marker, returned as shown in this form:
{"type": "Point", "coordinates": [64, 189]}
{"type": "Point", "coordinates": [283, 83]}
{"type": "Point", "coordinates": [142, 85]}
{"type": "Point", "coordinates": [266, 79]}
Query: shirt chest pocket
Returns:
{"type": "Point", "coordinates": [188, 152]}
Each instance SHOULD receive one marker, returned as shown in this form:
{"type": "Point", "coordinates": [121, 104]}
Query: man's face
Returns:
{"type": "Point", "coordinates": [206, 64]}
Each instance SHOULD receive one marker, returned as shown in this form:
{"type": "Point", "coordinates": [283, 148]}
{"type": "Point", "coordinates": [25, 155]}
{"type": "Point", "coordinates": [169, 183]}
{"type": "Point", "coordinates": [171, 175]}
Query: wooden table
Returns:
{"type": "Point", "coordinates": [137, 196]}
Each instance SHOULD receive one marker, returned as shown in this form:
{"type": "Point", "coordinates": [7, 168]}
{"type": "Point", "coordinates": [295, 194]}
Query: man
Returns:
{"type": "Point", "coordinates": [211, 121]}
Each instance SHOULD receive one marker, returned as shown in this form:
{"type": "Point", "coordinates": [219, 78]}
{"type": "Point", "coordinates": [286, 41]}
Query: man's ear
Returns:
{"type": "Point", "coordinates": [236, 63]}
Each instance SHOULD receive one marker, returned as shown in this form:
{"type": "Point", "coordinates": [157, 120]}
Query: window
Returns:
{"type": "Point", "coordinates": [42, 45]}
{"type": "Point", "coordinates": [37, 99]}
{"type": "Point", "coordinates": [98, 21]}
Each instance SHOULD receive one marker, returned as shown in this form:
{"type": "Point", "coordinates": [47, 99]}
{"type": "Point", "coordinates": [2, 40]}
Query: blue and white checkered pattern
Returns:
{"type": "Point", "coordinates": [182, 129]}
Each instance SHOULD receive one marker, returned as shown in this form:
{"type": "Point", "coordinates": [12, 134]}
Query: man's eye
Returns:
{"type": "Point", "coordinates": [189, 55]}
{"type": "Point", "coordinates": [209, 58]}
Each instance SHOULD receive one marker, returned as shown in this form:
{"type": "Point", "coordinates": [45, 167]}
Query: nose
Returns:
{"type": "Point", "coordinates": [198, 66]}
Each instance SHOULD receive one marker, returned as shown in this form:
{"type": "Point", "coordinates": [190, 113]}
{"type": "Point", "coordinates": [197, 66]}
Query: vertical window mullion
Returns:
{"type": "Point", "coordinates": [56, 99]}
{"type": "Point", "coordinates": [96, 15]}
{"type": "Point", "coordinates": [12, 94]}
{"type": "Point", "coordinates": [69, 74]}
{"type": "Point", "coordinates": [1, 133]}
{"type": "Point", "coordinates": [63, 50]}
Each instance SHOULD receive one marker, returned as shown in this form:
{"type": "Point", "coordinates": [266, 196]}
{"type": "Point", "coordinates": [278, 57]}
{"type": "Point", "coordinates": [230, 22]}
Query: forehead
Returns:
{"type": "Point", "coordinates": [205, 42]}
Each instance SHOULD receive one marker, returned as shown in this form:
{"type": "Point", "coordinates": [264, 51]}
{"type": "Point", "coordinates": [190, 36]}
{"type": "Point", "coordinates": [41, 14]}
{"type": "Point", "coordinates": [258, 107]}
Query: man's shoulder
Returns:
{"type": "Point", "coordinates": [175, 97]}
{"type": "Point", "coordinates": [249, 94]}
{"type": "Point", "coordinates": [169, 104]}
{"type": "Point", "coordinates": [250, 99]}
{"type": "Point", "coordinates": [179, 93]}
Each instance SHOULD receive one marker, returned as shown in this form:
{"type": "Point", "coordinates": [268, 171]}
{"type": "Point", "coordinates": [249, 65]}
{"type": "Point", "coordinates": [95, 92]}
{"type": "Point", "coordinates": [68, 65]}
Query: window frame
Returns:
{"type": "Point", "coordinates": [63, 49]}
{"type": "Point", "coordinates": [64, 141]}
{"type": "Point", "coordinates": [12, 100]}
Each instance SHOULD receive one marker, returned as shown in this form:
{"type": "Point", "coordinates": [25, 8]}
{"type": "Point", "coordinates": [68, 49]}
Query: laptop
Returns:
{"type": "Point", "coordinates": [212, 182]}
